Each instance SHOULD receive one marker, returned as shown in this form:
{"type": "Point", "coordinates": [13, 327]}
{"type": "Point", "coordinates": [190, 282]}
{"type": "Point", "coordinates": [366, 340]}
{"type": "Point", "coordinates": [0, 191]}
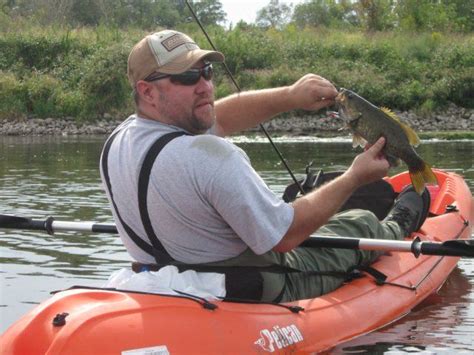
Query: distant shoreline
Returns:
{"type": "Point", "coordinates": [451, 123]}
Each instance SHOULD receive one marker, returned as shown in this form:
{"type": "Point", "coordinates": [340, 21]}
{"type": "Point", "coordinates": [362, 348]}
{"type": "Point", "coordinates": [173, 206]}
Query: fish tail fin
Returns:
{"type": "Point", "coordinates": [422, 175]}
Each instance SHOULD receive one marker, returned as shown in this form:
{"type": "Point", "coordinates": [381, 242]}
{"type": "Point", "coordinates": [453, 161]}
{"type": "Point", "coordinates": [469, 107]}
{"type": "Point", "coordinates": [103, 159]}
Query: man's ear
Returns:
{"type": "Point", "coordinates": [145, 91]}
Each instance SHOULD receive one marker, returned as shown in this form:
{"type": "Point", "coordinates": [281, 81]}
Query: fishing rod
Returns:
{"type": "Point", "coordinates": [456, 247]}
{"type": "Point", "coordinates": [239, 90]}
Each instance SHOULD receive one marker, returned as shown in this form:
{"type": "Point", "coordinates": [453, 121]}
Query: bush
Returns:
{"type": "Point", "coordinates": [13, 97]}
{"type": "Point", "coordinates": [70, 103]}
{"type": "Point", "coordinates": [82, 72]}
{"type": "Point", "coordinates": [249, 50]}
{"type": "Point", "coordinates": [41, 92]}
{"type": "Point", "coordinates": [104, 85]}
{"type": "Point", "coordinates": [462, 88]}
{"type": "Point", "coordinates": [35, 52]}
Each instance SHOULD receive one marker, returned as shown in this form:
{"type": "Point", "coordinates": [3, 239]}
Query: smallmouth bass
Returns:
{"type": "Point", "coordinates": [368, 123]}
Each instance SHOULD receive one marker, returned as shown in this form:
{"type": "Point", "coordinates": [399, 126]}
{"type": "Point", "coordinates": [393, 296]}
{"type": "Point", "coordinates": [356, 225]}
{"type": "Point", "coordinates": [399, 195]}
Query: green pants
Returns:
{"type": "Point", "coordinates": [352, 223]}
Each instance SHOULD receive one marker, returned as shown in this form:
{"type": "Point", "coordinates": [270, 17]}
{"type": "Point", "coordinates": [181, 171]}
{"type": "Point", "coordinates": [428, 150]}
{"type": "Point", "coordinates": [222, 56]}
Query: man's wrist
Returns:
{"type": "Point", "coordinates": [293, 97]}
{"type": "Point", "coordinates": [351, 180]}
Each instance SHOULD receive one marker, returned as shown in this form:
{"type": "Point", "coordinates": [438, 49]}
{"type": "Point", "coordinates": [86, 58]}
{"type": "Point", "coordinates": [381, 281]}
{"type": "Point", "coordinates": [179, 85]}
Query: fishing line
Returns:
{"type": "Point", "coordinates": [239, 90]}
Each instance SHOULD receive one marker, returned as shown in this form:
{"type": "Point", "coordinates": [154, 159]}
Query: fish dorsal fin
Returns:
{"type": "Point", "coordinates": [410, 133]}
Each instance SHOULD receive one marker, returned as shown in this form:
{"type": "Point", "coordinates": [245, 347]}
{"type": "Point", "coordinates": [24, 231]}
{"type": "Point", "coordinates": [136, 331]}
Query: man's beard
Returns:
{"type": "Point", "coordinates": [188, 120]}
{"type": "Point", "coordinates": [201, 125]}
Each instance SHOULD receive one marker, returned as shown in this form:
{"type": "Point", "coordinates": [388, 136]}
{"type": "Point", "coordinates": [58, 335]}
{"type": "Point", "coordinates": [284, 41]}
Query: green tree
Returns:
{"type": "Point", "coordinates": [328, 13]}
{"type": "Point", "coordinates": [167, 14]}
{"type": "Point", "coordinates": [46, 12]}
{"type": "Point", "coordinates": [275, 14]}
{"type": "Point", "coordinates": [6, 6]}
{"type": "Point", "coordinates": [209, 12]}
{"type": "Point", "coordinates": [463, 12]}
{"type": "Point", "coordinates": [84, 12]}
{"type": "Point", "coordinates": [417, 15]}
{"type": "Point", "coordinates": [147, 14]}
{"type": "Point", "coordinates": [376, 15]}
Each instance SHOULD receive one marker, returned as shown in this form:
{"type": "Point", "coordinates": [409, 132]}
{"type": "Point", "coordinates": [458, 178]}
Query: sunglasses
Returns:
{"type": "Point", "coordinates": [189, 77]}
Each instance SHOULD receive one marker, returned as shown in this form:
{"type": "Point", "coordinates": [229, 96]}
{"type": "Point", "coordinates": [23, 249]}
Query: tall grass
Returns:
{"type": "Point", "coordinates": [57, 72]}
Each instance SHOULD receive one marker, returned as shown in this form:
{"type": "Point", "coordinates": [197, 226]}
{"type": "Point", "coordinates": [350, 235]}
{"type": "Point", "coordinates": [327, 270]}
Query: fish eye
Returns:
{"type": "Point", "coordinates": [350, 95]}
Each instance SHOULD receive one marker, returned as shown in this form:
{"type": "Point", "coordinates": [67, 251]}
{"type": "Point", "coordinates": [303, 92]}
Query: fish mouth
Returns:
{"type": "Point", "coordinates": [340, 97]}
{"type": "Point", "coordinates": [340, 104]}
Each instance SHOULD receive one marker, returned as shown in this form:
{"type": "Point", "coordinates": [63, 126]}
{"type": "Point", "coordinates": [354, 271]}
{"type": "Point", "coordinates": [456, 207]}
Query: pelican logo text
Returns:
{"type": "Point", "coordinates": [279, 337]}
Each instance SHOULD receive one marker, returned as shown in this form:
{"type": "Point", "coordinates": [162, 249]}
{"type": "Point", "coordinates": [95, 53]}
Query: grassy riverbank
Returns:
{"type": "Point", "coordinates": [55, 72]}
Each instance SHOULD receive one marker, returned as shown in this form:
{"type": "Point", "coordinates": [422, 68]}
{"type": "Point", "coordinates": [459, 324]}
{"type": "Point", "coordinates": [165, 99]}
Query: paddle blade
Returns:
{"type": "Point", "coordinates": [15, 222]}
{"type": "Point", "coordinates": [449, 248]}
{"type": "Point", "coordinates": [10, 221]}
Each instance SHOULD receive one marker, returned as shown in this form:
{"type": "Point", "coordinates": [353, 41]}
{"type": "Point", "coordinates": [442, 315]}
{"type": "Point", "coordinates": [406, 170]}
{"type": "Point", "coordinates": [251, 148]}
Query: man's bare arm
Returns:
{"type": "Point", "coordinates": [314, 209]}
{"type": "Point", "coordinates": [245, 110]}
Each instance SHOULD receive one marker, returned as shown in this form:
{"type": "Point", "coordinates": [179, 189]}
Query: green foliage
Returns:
{"type": "Point", "coordinates": [224, 88]}
{"type": "Point", "coordinates": [427, 108]}
{"type": "Point", "coordinates": [375, 15]}
{"type": "Point", "coordinates": [367, 15]}
{"type": "Point", "coordinates": [84, 12]}
{"type": "Point", "coordinates": [13, 96]}
{"type": "Point", "coordinates": [146, 14]}
{"type": "Point", "coordinates": [33, 52]}
{"type": "Point", "coordinates": [209, 12]}
{"type": "Point", "coordinates": [275, 14]}
{"type": "Point", "coordinates": [312, 13]}
{"type": "Point", "coordinates": [41, 92]}
{"type": "Point", "coordinates": [57, 72]}
{"type": "Point", "coordinates": [70, 103]}
{"type": "Point", "coordinates": [104, 83]}
{"type": "Point", "coordinates": [383, 15]}
{"type": "Point", "coordinates": [260, 79]}
{"type": "Point", "coordinates": [248, 49]}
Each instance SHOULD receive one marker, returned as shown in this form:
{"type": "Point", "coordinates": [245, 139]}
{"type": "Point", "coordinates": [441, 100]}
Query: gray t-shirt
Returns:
{"type": "Point", "coordinates": [205, 201]}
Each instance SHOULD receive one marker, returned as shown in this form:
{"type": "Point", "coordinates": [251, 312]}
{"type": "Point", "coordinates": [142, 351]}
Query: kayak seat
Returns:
{"type": "Point", "coordinates": [377, 197]}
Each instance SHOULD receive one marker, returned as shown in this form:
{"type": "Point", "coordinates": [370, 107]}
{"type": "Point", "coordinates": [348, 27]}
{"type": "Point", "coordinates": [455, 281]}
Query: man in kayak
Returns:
{"type": "Point", "coordinates": [182, 194]}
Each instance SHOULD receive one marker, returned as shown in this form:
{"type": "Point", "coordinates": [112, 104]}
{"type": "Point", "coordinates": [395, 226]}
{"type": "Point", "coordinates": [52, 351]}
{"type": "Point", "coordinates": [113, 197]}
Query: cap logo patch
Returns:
{"type": "Point", "coordinates": [174, 41]}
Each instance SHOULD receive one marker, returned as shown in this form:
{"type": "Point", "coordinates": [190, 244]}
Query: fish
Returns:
{"type": "Point", "coordinates": [368, 123]}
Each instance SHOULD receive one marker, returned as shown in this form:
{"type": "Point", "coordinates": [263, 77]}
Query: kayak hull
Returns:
{"type": "Point", "coordinates": [98, 321]}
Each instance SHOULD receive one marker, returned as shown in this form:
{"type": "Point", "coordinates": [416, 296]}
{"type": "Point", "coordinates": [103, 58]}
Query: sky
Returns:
{"type": "Point", "coordinates": [247, 9]}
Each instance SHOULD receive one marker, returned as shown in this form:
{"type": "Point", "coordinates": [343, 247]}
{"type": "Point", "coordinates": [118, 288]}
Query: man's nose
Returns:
{"type": "Point", "coordinates": [204, 86]}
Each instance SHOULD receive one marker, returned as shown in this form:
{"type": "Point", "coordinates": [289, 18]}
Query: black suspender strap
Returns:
{"type": "Point", "coordinates": [156, 249]}
{"type": "Point", "coordinates": [159, 252]}
{"type": "Point", "coordinates": [147, 248]}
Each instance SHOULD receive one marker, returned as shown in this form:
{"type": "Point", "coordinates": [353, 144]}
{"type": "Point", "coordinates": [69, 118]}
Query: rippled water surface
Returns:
{"type": "Point", "coordinates": [58, 176]}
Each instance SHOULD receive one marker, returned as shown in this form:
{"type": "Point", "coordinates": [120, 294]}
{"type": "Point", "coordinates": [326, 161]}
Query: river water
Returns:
{"type": "Point", "coordinates": [58, 176]}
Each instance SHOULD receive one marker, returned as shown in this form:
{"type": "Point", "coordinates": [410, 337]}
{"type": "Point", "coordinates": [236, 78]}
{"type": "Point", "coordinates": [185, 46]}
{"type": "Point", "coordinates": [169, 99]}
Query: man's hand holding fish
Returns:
{"type": "Point", "coordinates": [371, 165]}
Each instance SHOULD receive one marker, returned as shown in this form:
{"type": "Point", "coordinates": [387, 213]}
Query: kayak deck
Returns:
{"type": "Point", "coordinates": [102, 321]}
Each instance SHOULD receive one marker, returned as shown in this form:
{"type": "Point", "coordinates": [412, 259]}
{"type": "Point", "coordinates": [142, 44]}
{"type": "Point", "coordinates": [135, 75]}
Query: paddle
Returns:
{"type": "Point", "coordinates": [460, 247]}
{"type": "Point", "coordinates": [416, 246]}
{"type": "Point", "coordinates": [50, 225]}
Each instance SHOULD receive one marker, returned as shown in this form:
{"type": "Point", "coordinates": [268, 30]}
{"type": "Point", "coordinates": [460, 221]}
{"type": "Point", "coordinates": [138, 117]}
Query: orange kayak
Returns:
{"type": "Point", "coordinates": [100, 321]}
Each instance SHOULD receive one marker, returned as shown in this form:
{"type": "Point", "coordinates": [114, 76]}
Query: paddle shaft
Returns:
{"type": "Point", "coordinates": [416, 246]}
{"type": "Point", "coordinates": [50, 225]}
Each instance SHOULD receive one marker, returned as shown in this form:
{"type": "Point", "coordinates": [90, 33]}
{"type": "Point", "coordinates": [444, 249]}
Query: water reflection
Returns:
{"type": "Point", "coordinates": [441, 324]}
{"type": "Point", "coordinates": [58, 176]}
